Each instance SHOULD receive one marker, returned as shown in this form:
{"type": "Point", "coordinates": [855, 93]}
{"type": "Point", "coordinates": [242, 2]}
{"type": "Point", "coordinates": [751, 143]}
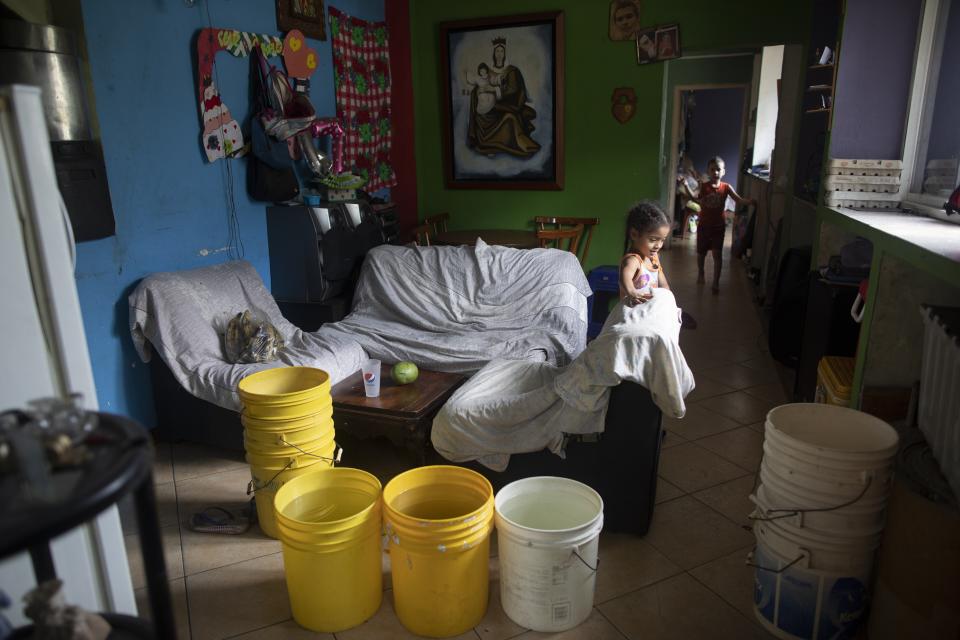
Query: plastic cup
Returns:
{"type": "Point", "coordinates": [371, 377]}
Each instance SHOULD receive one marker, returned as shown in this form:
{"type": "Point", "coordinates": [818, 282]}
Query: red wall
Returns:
{"type": "Point", "coordinates": [404, 160]}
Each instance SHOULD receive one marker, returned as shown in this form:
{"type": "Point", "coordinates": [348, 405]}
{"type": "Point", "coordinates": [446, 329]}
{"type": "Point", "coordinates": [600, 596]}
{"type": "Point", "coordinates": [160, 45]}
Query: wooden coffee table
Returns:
{"type": "Point", "coordinates": [402, 413]}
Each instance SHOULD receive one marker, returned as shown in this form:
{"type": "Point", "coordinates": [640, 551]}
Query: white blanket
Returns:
{"type": "Point", "coordinates": [457, 308]}
{"type": "Point", "coordinates": [182, 314]}
{"type": "Point", "coordinates": [516, 407]}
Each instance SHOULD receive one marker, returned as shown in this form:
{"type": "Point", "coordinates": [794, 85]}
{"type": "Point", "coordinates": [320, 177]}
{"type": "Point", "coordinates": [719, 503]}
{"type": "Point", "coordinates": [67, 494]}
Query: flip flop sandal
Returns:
{"type": "Point", "coordinates": [220, 520]}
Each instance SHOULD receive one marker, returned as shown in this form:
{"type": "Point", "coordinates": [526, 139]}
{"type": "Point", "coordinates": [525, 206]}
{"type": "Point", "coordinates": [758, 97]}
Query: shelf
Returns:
{"type": "Point", "coordinates": [821, 66]}
{"type": "Point", "coordinates": [825, 110]}
{"type": "Point", "coordinates": [819, 87]}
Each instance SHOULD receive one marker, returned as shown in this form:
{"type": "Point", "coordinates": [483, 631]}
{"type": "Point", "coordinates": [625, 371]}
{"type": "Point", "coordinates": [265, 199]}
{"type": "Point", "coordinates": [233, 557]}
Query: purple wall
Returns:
{"type": "Point", "coordinates": [945, 141]}
{"type": "Point", "coordinates": [873, 84]}
{"type": "Point", "coordinates": [715, 130]}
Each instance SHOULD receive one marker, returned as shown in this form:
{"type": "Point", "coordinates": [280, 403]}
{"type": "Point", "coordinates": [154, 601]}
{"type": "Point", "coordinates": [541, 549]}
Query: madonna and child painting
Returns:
{"type": "Point", "coordinates": [503, 92]}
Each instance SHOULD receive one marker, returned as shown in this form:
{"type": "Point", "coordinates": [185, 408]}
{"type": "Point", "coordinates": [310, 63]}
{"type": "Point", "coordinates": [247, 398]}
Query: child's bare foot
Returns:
{"type": "Point", "coordinates": [715, 288]}
{"type": "Point", "coordinates": [700, 278]}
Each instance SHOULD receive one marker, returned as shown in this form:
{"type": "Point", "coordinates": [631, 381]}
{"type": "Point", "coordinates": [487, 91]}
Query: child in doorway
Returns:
{"type": "Point", "coordinates": [712, 226]}
{"type": "Point", "coordinates": [640, 270]}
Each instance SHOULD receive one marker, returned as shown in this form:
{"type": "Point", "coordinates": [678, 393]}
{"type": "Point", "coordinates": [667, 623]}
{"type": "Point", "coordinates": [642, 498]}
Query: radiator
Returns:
{"type": "Point", "coordinates": [939, 409]}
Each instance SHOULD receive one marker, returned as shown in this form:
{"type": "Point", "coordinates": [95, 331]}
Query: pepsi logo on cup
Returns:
{"type": "Point", "coordinates": [369, 377]}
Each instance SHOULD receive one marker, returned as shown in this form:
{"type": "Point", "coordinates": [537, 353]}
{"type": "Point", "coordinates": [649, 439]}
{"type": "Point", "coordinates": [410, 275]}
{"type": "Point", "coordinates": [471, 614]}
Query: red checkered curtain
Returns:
{"type": "Point", "coordinates": [361, 76]}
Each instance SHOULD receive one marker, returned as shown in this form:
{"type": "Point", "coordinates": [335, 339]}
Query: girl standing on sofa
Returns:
{"type": "Point", "coordinates": [640, 270]}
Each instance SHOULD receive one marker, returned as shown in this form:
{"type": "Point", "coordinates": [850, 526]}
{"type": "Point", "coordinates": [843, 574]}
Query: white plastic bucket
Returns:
{"type": "Point", "coordinates": [880, 477]}
{"type": "Point", "coordinates": [792, 600]}
{"type": "Point", "coordinates": [847, 522]}
{"type": "Point", "coordinates": [832, 435]}
{"type": "Point", "coordinates": [548, 532]}
{"type": "Point", "coordinates": [836, 555]}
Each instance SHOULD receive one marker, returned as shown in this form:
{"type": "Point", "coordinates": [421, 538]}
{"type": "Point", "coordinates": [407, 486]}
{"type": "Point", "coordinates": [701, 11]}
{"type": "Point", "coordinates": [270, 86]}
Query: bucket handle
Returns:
{"type": "Point", "coordinates": [795, 511]}
{"type": "Point", "coordinates": [750, 563]}
{"type": "Point", "coordinates": [576, 551]}
{"type": "Point", "coordinates": [337, 454]}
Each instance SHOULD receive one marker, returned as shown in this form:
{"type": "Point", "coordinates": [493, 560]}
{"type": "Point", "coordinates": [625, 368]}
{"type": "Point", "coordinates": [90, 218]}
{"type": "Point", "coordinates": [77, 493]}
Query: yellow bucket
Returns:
{"type": "Point", "coordinates": [268, 479]}
{"type": "Point", "coordinates": [438, 521]}
{"type": "Point", "coordinates": [329, 524]}
{"type": "Point", "coordinates": [273, 425]}
{"type": "Point", "coordinates": [285, 392]}
{"type": "Point", "coordinates": [289, 444]}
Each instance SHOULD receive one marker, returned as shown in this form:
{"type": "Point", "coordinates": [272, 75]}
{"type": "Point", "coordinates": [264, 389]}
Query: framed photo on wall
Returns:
{"type": "Point", "coordinates": [656, 44]}
{"type": "Point", "coordinates": [624, 19]}
{"type": "Point", "coordinates": [502, 102]}
{"type": "Point", "coordinates": [305, 15]}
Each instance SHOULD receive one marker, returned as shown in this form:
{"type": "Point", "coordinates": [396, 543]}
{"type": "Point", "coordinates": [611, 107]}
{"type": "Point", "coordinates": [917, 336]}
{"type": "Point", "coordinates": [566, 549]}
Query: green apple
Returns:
{"type": "Point", "coordinates": [405, 372]}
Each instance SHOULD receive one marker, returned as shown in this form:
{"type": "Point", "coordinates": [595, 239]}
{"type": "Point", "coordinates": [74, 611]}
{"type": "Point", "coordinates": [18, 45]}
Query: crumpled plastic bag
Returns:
{"type": "Point", "coordinates": [250, 339]}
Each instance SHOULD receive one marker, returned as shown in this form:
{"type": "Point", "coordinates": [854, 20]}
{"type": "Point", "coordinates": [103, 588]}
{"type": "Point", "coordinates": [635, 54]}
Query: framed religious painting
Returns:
{"type": "Point", "coordinates": [305, 15]}
{"type": "Point", "coordinates": [503, 102]}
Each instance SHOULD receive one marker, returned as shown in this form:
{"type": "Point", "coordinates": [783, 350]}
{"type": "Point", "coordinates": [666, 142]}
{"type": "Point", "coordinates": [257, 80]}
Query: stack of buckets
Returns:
{"type": "Point", "coordinates": [436, 523]}
{"type": "Point", "coordinates": [824, 481]}
{"type": "Point", "coordinates": [288, 431]}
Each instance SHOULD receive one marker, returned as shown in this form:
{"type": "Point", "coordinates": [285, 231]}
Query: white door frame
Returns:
{"type": "Point", "coordinates": [675, 130]}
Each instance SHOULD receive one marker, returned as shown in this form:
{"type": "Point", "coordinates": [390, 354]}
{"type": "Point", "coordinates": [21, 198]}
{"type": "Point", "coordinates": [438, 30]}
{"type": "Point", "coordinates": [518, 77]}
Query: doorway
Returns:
{"type": "Point", "coordinates": [708, 120]}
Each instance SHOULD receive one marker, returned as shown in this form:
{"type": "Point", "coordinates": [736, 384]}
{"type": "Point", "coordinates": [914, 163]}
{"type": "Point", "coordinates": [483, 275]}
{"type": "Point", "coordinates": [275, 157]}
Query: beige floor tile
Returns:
{"type": "Point", "coordinates": [771, 392]}
{"type": "Point", "coordinates": [628, 563]}
{"type": "Point", "coordinates": [736, 376]}
{"type": "Point", "coordinates": [730, 578]}
{"type": "Point", "coordinates": [496, 625]}
{"type": "Point", "coordinates": [172, 555]}
{"type": "Point", "coordinates": [238, 598]}
{"type": "Point", "coordinates": [205, 551]}
{"type": "Point", "coordinates": [690, 533]}
{"type": "Point", "coordinates": [596, 627]}
{"type": "Point", "coordinates": [166, 497]}
{"type": "Point", "coordinates": [698, 423]}
{"type": "Point", "coordinates": [193, 461]}
{"type": "Point", "coordinates": [740, 406]}
{"type": "Point", "coordinates": [691, 467]}
{"type": "Point", "coordinates": [763, 362]}
{"type": "Point", "coordinates": [707, 388]}
{"type": "Point", "coordinates": [679, 608]}
{"type": "Point", "coordinates": [288, 630]}
{"type": "Point", "coordinates": [667, 491]}
{"type": "Point", "coordinates": [743, 447]}
{"type": "Point", "coordinates": [671, 439]}
{"type": "Point", "coordinates": [730, 498]}
{"type": "Point", "coordinates": [385, 625]}
{"type": "Point", "coordinates": [178, 595]}
{"type": "Point", "coordinates": [759, 427]}
{"type": "Point", "coordinates": [162, 463]}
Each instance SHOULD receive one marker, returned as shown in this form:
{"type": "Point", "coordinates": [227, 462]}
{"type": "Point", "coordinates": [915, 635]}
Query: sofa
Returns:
{"type": "Point", "coordinates": [446, 308]}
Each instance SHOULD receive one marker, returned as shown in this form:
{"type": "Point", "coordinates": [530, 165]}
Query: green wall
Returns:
{"type": "Point", "coordinates": [608, 165]}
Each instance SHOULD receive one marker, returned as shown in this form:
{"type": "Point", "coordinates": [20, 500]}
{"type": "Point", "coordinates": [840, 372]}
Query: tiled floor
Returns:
{"type": "Point", "coordinates": [686, 579]}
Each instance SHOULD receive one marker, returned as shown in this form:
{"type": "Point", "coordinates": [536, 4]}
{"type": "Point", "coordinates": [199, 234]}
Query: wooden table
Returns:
{"type": "Point", "coordinates": [401, 413]}
{"type": "Point", "coordinates": [516, 238]}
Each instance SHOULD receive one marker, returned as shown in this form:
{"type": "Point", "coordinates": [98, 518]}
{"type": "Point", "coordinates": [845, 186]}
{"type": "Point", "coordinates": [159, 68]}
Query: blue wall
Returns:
{"type": "Point", "coordinates": [873, 80]}
{"type": "Point", "coordinates": [169, 203]}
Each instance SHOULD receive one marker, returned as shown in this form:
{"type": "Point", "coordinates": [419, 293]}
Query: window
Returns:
{"type": "Point", "coordinates": [768, 103]}
{"type": "Point", "coordinates": [931, 150]}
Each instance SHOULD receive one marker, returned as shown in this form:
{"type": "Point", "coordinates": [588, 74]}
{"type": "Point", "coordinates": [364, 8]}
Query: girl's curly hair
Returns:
{"type": "Point", "coordinates": [645, 216]}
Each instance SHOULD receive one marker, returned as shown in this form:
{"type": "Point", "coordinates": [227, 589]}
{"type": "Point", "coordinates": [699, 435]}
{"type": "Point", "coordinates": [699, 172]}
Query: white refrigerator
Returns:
{"type": "Point", "coordinates": [43, 349]}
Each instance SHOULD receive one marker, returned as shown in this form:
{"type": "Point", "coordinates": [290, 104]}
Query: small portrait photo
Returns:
{"type": "Point", "coordinates": [624, 19]}
{"type": "Point", "coordinates": [668, 42]}
{"type": "Point", "coordinates": [646, 46]}
{"type": "Point", "coordinates": [305, 8]}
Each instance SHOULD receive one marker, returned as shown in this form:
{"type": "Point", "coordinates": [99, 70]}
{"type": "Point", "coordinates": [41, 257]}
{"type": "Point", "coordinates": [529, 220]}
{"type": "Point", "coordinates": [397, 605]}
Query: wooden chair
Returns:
{"type": "Point", "coordinates": [555, 238]}
{"type": "Point", "coordinates": [438, 222]}
{"type": "Point", "coordinates": [546, 223]}
{"type": "Point", "coordinates": [421, 235]}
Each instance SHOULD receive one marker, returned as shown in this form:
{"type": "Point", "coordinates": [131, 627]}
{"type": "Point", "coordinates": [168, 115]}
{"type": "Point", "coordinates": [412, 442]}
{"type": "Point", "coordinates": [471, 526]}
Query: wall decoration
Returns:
{"type": "Point", "coordinates": [221, 136]}
{"type": "Point", "coordinates": [657, 44]}
{"type": "Point", "coordinates": [624, 19]}
{"type": "Point", "coordinates": [503, 102]}
{"type": "Point", "coordinates": [299, 59]}
{"type": "Point", "coordinates": [624, 104]}
{"type": "Point", "coordinates": [361, 79]}
{"type": "Point", "coordinates": [305, 15]}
